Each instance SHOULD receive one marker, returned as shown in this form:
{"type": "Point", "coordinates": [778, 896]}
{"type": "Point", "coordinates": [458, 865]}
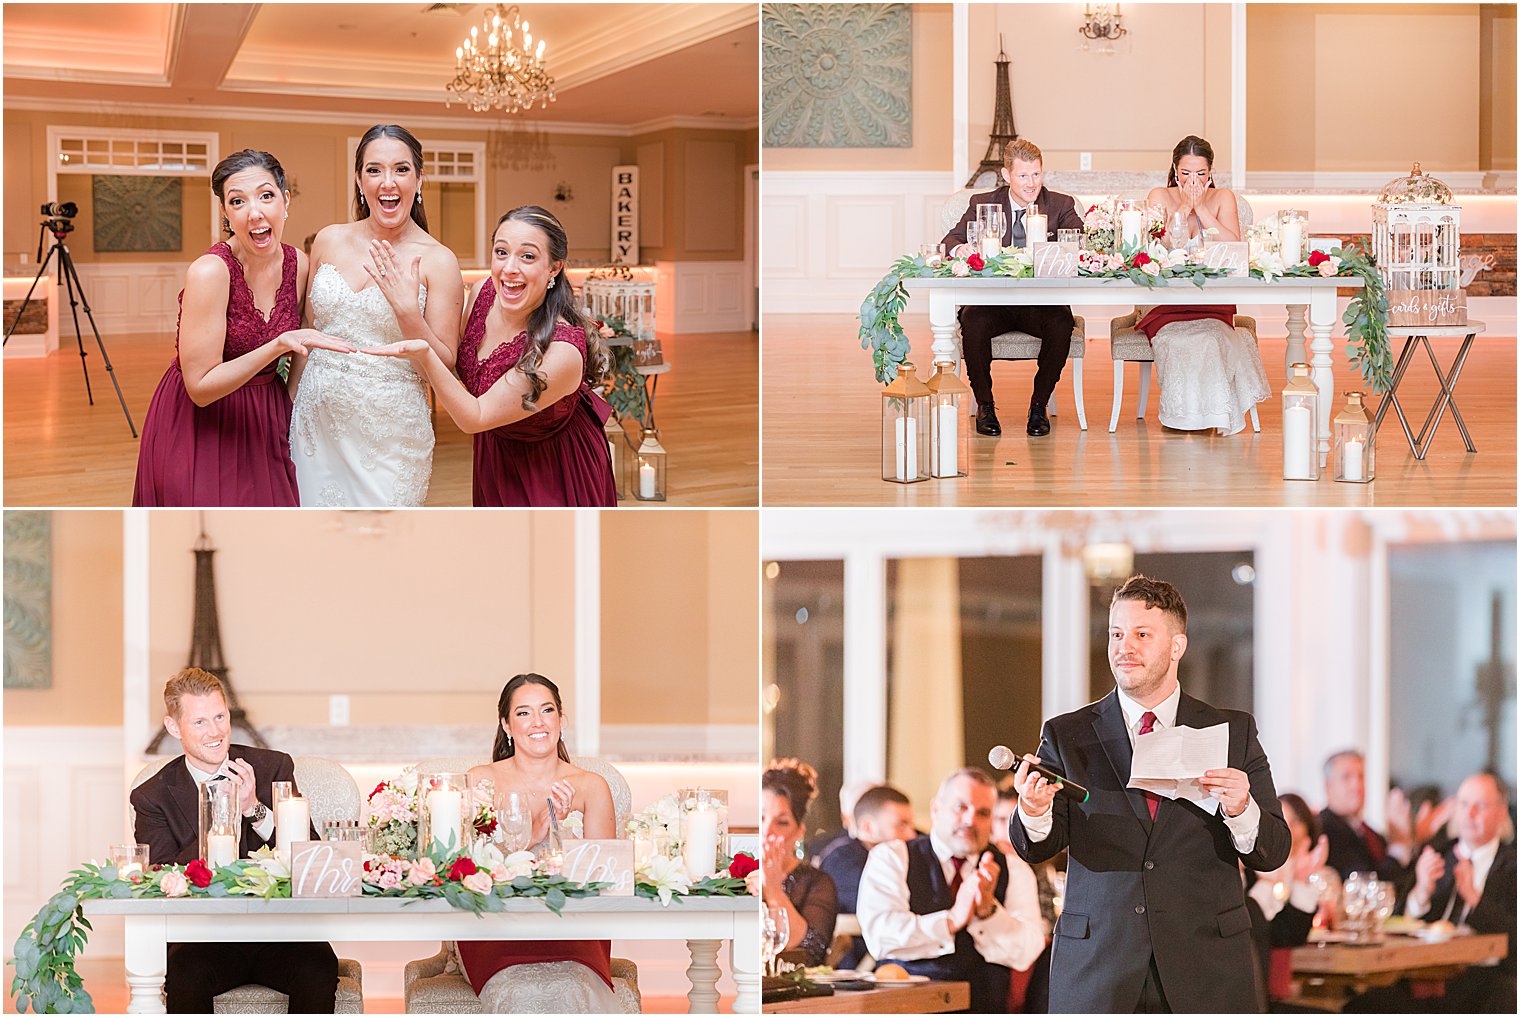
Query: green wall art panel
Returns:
{"type": "Point", "coordinates": [28, 600]}
{"type": "Point", "coordinates": [137, 213]}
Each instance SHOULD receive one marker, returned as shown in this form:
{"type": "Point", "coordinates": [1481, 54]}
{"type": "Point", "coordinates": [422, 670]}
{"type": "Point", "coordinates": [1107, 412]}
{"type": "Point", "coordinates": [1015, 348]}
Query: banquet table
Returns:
{"type": "Point", "coordinates": [1316, 295]}
{"type": "Point", "coordinates": [925, 997]}
{"type": "Point", "coordinates": [704, 922]}
{"type": "Point", "coordinates": [1328, 973]}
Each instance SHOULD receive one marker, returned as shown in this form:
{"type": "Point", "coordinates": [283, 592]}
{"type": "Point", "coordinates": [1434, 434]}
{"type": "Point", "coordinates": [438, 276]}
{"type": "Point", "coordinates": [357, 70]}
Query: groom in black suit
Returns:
{"type": "Point", "coordinates": [1023, 185]}
{"type": "Point", "coordinates": [167, 806]}
{"type": "Point", "coordinates": [1155, 918]}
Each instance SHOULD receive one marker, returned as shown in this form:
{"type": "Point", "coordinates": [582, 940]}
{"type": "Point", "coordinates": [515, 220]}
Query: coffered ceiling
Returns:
{"type": "Point", "coordinates": [614, 64]}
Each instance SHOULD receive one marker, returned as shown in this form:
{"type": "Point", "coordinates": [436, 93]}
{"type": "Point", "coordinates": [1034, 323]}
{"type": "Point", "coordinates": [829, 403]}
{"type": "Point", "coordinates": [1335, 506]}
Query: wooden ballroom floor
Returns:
{"type": "Point", "coordinates": [61, 451]}
{"type": "Point", "coordinates": [822, 435]}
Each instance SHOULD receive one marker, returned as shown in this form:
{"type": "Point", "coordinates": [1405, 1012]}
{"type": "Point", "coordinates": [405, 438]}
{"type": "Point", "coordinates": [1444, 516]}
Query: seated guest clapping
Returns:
{"type": "Point", "coordinates": [942, 904]}
{"type": "Point", "coordinates": [1023, 186]}
{"type": "Point", "coordinates": [1282, 903]}
{"type": "Point", "coordinates": [882, 813]}
{"type": "Point", "coordinates": [1354, 845]}
{"type": "Point", "coordinates": [167, 809]}
{"type": "Point", "coordinates": [807, 894]}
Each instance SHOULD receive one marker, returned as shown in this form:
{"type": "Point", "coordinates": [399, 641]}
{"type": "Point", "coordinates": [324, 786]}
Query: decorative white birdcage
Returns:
{"type": "Point", "coordinates": [633, 302]}
{"type": "Point", "coordinates": [1417, 244]}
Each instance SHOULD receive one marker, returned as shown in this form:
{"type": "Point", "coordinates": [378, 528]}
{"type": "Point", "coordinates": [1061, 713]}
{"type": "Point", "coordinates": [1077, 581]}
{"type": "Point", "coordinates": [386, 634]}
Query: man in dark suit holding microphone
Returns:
{"type": "Point", "coordinates": [1155, 919]}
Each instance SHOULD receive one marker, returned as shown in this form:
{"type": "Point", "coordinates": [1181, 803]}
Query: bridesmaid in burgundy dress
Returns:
{"type": "Point", "coordinates": [529, 758]}
{"type": "Point", "coordinates": [218, 429]}
{"type": "Point", "coordinates": [527, 363]}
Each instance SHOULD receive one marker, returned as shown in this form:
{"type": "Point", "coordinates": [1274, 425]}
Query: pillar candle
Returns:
{"type": "Point", "coordinates": [646, 480]}
{"type": "Point", "coordinates": [1131, 222]}
{"type": "Point", "coordinates": [1034, 229]}
{"type": "Point", "coordinates": [292, 822]}
{"type": "Point", "coordinates": [1351, 460]}
{"type": "Point", "coordinates": [1290, 242]}
{"type": "Point", "coordinates": [907, 448]}
{"type": "Point", "coordinates": [700, 847]}
{"type": "Point", "coordinates": [1298, 442]}
{"type": "Point", "coordinates": [221, 849]}
{"type": "Point", "coordinates": [445, 811]}
{"type": "Point", "coordinates": [946, 444]}
{"type": "Point", "coordinates": [991, 245]}
{"type": "Point", "coordinates": [130, 869]}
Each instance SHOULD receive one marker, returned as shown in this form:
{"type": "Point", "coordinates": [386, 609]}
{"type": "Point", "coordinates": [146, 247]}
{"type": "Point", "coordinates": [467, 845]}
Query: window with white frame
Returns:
{"type": "Point", "coordinates": [76, 152]}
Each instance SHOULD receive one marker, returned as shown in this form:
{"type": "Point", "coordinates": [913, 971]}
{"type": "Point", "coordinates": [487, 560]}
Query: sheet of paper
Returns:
{"type": "Point", "coordinates": [1170, 761]}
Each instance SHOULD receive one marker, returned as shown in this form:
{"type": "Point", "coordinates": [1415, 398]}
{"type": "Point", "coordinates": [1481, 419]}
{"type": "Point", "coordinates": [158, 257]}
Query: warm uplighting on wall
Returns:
{"type": "Point", "coordinates": [1103, 22]}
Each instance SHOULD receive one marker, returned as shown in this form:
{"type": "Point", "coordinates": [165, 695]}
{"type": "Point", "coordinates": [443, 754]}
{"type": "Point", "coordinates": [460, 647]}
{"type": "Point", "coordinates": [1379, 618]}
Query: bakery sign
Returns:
{"type": "Point", "coordinates": [625, 215]}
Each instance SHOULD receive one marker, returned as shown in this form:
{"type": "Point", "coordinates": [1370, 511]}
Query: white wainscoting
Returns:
{"type": "Point", "coordinates": [826, 238]}
{"type": "Point", "coordinates": [140, 297]}
{"type": "Point", "coordinates": [701, 296]}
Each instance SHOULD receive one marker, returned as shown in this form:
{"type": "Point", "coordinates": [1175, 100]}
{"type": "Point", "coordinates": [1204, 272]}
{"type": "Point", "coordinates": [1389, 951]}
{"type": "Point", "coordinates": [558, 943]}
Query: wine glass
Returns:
{"type": "Point", "coordinates": [777, 933]}
{"type": "Point", "coordinates": [1354, 901]}
{"type": "Point", "coordinates": [514, 823]}
{"type": "Point", "coordinates": [1383, 897]}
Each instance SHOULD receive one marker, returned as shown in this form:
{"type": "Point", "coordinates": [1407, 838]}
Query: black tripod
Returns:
{"type": "Point", "coordinates": [61, 227]}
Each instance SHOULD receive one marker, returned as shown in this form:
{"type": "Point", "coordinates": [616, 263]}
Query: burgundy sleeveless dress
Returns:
{"type": "Point", "coordinates": [237, 450]}
{"type": "Point", "coordinates": [556, 457]}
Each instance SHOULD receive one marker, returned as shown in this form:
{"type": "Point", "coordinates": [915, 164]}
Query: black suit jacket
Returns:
{"type": "Point", "coordinates": [1136, 888]}
{"type": "Point", "coordinates": [168, 811]}
{"type": "Point", "coordinates": [1495, 912]}
{"type": "Point", "coordinates": [1060, 208]}
{"type": "Point", "coordinates": [1349, 853]}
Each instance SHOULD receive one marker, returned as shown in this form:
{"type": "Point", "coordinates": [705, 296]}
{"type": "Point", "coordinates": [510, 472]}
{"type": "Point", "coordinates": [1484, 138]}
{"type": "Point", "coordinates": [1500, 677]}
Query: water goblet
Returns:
{"type": "Point", "coordinates": [514, 823]}
{"type": "Point", "coordinates": [778, 933]}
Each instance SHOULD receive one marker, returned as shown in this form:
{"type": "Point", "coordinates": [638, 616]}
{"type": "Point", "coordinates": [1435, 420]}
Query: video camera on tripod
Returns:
{"type": "Point", "coordinates": [58, 219]}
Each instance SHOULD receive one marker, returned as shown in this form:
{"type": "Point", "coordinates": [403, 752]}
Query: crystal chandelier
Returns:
{"type": "Point", "coordinates": [497, 66]}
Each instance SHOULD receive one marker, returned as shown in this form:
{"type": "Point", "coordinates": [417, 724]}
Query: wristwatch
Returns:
{"type": "Point", "coordinates": [260, 811]}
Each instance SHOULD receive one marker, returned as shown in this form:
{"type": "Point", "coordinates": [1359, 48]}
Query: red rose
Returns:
{"type": "Point", "coordinates": [975, 263]}
{"type": "Point", "coordinates": [742, 865]}
{"type": "Point", "coordinates": [378, 788]}
{"type": "Point", "coordinates": [198, 873]}
{"type": "Point", "coordinates": [1140, 259]}
{"type": "Point", "coordinates": [487, 828]}
{"type": "Point", "coordinates": [461, 868]}
{"type": "Point", "coordinates": [1317, 258]}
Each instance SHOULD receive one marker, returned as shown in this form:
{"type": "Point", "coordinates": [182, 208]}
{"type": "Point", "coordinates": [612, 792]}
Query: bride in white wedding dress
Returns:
{"type": "Point", "coordinates": [361, 432]}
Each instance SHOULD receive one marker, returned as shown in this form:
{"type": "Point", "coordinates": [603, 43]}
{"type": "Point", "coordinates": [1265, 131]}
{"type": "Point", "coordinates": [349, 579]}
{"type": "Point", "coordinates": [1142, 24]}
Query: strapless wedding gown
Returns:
{"type": "Point", "coordinates": [361, 433]}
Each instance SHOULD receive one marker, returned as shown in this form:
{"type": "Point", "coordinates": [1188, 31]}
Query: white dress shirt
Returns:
{"type": "Point", "coordinates": [1482, 858]}
{"type": "Point", "coordinates": [1243, 828]}
{"type": "Point", "coordinates": [264, 829]}
{"type": "Point", "coordinates": [1012, 935]}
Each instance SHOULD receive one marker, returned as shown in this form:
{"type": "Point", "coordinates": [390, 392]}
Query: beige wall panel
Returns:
{"type": "Point", "coordinates": [712, 212]}
{"type": "Point", "coordinates": [651, 163]}
{"type": "Point", "coordinates": [733, 653]}
{"type": "Point", "coordinates": [1496, 133]}
{"type": "Point", "coordinates": [22, 193]}
{"type": "Point", "coordinates": [87, 627]}
{"type": "Point", "coordinates": [933, 110]}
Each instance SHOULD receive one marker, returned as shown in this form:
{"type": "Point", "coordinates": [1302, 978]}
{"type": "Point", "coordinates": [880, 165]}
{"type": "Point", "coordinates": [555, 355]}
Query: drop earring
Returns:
{"type": "Point", "coordinates": [551, 282]}
{"type": "Point", "coordinates": [226, 226]}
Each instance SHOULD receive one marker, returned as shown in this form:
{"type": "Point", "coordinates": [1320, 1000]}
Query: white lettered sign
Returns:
{"type": "Point", "coordinates": [321, 868]}
{"type": "Point", "coordinates": [625, 215]}
{"type": "Point", "coordinates": [1427, 307]}
{"type": "Point", "coordinates": [1054, 260]}
{"type": "Point", "coordinates": [601, 861]}
{"type": "Point", "coordinates": [1234, 256]}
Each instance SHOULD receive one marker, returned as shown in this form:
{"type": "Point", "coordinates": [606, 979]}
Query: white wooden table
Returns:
{"type": "Point", "coordinates": [1317, 296]}
{"type": "Point", "coordinates": [704, 922]}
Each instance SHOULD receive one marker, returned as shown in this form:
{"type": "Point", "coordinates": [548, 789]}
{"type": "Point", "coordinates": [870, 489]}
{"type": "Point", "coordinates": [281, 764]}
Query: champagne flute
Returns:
{"type": "Point", "coordinates": [778, 933]}
{"type": "Point", "coordinates": [514, 823]}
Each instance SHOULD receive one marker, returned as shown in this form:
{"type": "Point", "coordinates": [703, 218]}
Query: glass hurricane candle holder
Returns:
{"type": "Point", "coordinates": [991, 222]}
{"type": "Point", "coordinates": [699, 831]}
{"type": "Point", "coordinates": [443, 816]}
{"type": "Point", "coordinates": [1353, 437]}
{"type": "Point", "coordinates": [648, 467]}
{"type": "Point", "coordinates": [949, 437]}
{"type": "Point", "coordinates": [130, 859]}
{"type": "Point", "coordinates": [1292, 235]}
{"type": "Point", "coordinates": [615, 442]}
{"type": "Point", "coordinates": [220, 823]}
{"type": "Point", "coordinates": [1036, 227]}
{"type": "Point", "coordinates": [1131, 228]}
{"type": "Point", "coordinates": [905, 428]}
{"type": "Point", "coordinates": [1300, 400]}
{"type": "Point", "coordinates": [1259, 240]}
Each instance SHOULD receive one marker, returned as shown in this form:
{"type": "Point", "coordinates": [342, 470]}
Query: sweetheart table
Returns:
{"type": "Point", "coordinates": [1316, 295]}
{"type": "Point", "coordinates": [151, 925]}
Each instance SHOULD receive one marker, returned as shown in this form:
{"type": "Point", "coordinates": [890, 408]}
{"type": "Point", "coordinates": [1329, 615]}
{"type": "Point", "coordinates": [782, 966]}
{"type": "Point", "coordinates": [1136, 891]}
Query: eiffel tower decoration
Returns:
{"type": "Point", "coordinates": [206, 641]}
{"type": "Point", "coordinates": [1002, 127]}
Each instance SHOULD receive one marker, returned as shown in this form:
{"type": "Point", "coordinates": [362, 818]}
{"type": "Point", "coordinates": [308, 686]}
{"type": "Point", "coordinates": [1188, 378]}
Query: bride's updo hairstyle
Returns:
{"type": "Point", "coordinates": [237, 162]}
{"type": "Point", "coordinates": [1190, 145]}
{"type": "Point", "coordinates": [504, 747]}
{"type": "Point", "coordinates": [401, 134]}
{"type": "Point", "coordinates": [559, 305]}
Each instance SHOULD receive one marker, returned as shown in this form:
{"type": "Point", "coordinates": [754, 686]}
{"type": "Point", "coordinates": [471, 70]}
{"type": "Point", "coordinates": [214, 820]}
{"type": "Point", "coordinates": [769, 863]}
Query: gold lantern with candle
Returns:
{"type": "Point", "coordinates": [1353, 436]}
{"type": "Point", "coordinates": [1300, 399]}
{"type": "Point", "coordinates": [613, 430]}
{"type": "Point", "coordinates": [949, 437]}
{"type": "Point", "coordinates": [905, 428]}
{"type": "Point", "coordinates": [648, 468]}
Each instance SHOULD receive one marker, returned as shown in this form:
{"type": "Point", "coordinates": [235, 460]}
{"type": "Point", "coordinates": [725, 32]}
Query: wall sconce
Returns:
{"type": "Point", "coordinates": [1104, 22]}
{"type": "Point", "coordinates": [1108, 564]}
{"type": "Point", "coordinates": [562, 192]}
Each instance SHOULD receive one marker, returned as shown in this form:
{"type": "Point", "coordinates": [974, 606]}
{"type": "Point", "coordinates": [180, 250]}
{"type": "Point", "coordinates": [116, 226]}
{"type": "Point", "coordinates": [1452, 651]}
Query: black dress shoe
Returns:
{"type": "Point", "coordinates": [987, 421]}
{"type": "Point", "coordinates": [1039, 423]}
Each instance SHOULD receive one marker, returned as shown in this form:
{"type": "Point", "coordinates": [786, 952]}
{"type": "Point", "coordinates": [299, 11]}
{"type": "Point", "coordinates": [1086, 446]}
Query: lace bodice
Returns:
{"type": "Point", "coordinates": [479, 375]}
{"type": "Point", "coordinates": [362, 317]}
{"type": "Point", "coordinates": [247, 327]}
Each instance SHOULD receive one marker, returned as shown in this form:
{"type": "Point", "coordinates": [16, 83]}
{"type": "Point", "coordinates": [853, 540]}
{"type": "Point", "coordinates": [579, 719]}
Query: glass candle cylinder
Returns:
{"type": "Point", "coordinates": [220, 823]}
{"type": "Point", "coordinates": [904, 428]}
{"type": "Point", "coordinates": [131, 860]}
{"type": "Point", "coordinates": [1292, 234]}
{"type": "Point", "coordinates": [1036, 229]}
{"type": "Point", "coordinates": [949, 437]}
{"type": "Point", "coordinates": [990, 227]}
{"type": "Point", "coordinates": [292, 823]}
{"type": "Point", "coordinates": [1300, 400]}
{"type": "Point", "coordinates": [1131, 228]}
{"type": "Point", "coordinates": [1352, 438]}
{"type": "Point", "coordinates": [443, 820]}
{"type": "Point", "coordinates": [699, 832]}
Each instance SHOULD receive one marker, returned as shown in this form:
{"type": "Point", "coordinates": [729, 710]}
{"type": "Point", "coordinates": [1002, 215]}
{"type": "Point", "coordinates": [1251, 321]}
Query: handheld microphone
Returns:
{"type": "Point", "coordinates": [1002, 758]}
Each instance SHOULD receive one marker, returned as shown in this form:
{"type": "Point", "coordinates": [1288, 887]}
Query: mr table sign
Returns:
{"type": "Point", "coordinates": [601, 861]}
{"type": "Point", "coordinates": [322, 868]}
{"type": "Point", "coordinates": [1055, 260]}
{"type": "Point", "coordinates": [1231, 255]}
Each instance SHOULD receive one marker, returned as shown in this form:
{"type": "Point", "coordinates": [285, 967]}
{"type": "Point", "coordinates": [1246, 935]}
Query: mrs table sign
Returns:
{"type": "Point", "coordinates": [625, 215]}
{"type": "Point", "coordinates": [1054, 260]}
{"type": "Point", "coordinates": [320, 868]}
{"type": "Point", "coordinates": [1232, 256]}
{"type": "Point", "coordinates": [601, 861]}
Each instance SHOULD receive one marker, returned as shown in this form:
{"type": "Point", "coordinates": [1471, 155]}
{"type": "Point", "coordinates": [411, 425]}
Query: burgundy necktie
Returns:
{"type": "Point", "coordinates": [1147, 722]}
{"type": "Point", "coordinates": [957, 879]}
{"type": "Point", "coordinates": [1374, 844]}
